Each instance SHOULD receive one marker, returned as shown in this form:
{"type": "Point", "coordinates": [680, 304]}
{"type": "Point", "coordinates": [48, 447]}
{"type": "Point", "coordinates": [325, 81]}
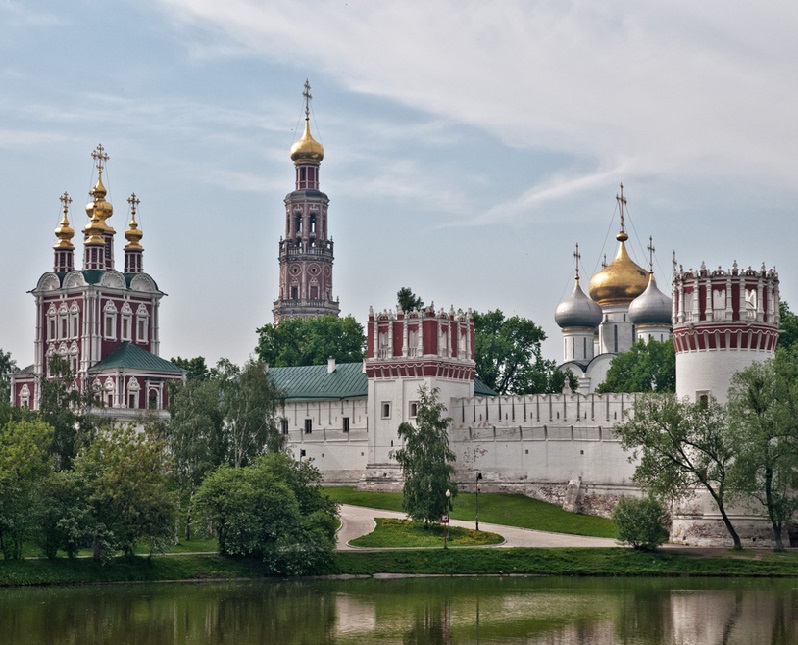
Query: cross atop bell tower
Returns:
{"type": "Point", "coordinates": [306, 251]}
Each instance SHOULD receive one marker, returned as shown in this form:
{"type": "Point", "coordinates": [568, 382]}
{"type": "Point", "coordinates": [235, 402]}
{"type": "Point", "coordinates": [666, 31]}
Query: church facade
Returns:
{"type": "Point", "coordinates": [103, 323]}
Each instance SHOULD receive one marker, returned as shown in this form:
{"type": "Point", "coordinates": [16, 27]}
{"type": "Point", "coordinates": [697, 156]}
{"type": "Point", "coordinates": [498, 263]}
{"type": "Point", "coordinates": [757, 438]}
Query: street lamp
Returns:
{"type": "Point", "coordinates": [446, 524]}
{"type": "Point", "coordinates": [477, 487]}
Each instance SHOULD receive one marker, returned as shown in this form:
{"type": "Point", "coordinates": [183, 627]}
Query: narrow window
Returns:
{"type": "Point", "coordinates": [284, 426]}
{"type": "Point", "coordinates": [308, 426]}
{"type": "Point", "coordinates": [346, 424]}
{"type": "Point", "coordinates": [413, 412]}
{"type": "Point", "coordinates": [386, 410]}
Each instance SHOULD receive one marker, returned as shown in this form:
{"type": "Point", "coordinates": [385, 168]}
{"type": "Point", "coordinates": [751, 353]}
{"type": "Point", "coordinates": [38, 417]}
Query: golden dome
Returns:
{"type": "Point", "coordinates": [65, 232]}
{"type": "Point", "coordinates": [307, 148]}
{"type": "Point", "coordinates": [133, 234]}
{"type": "Point", "coordinates": [98, 209]}
{"type": "Point", "coordinates": [621, 281]}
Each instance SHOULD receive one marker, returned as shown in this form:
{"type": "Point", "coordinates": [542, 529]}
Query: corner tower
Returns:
{"type": "Point", "coordinates": [306, 252]}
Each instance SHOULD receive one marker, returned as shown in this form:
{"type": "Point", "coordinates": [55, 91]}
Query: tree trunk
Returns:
{"type": "Point", "coordinates": [735, 538]}
{"type": "Point", "coordinates": [188, 514]}
{"type": "Point", "coordinates": [777, 536]}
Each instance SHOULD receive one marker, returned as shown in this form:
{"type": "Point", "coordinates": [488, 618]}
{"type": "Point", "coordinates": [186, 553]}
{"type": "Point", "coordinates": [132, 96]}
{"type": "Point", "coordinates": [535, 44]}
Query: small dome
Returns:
{"type": "Point", "coordinates": [578, 310]}
{"type": "Point", "coordinates": [307, 148]}
{"type": "Point", "coordinates": [652, 307]}
{"type": "Point", "coordinates": [621, 281]}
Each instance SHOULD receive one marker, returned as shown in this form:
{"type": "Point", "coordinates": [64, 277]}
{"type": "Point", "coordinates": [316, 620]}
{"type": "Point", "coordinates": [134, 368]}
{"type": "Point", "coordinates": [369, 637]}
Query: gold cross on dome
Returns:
{"type": "Point", "coordinates": [307, 96]}
{"type": "Point", "coordinates": [100, 156]}
{"type": "Point", "coordinates": [66, 200]}
{"type": "Point", "coordinates": [133, 201]}
{"type": "Point", "coordinates": [622, 203]}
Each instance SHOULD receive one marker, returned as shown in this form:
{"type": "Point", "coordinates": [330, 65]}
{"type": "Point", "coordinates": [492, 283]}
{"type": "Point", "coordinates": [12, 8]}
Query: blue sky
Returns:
{"type": "Point", "coordinates": [469, 146]}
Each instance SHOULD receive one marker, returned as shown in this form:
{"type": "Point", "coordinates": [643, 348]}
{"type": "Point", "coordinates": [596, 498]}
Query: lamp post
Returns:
{"type": "Point", "coordinates": [446, 524]}
{"type": "Point", "coordinates": [477, 487]}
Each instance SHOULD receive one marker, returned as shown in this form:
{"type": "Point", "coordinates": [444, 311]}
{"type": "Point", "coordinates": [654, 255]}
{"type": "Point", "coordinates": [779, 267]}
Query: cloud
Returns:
{"type": "Point", "coordinates": [675, 87]}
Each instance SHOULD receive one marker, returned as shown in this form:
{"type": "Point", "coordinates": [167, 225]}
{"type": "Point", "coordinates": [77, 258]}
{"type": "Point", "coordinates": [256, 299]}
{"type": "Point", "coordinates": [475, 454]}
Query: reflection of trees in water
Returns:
{"type": "Point", "coordinates": [430, 625]}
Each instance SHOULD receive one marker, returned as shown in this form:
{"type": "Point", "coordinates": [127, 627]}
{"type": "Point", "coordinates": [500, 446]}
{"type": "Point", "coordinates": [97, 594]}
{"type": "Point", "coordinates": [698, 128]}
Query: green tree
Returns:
{"type": "Point", "coordinates": [407, 300]}
{"type": "Point", "coordinates": [66, 519]}
{"type": "Point", "coordinates": [196, 369]}
{"type": "Point", "coordinates": [24, 462]}
{"type": "Point", "coordinates": [763, 402]}
{"type": "Point", "coordinates": [195, 437]}
{"type": "Point", "coordinates": [682, 447]}
{"type": "Point", "coordinates": [125, 472]}
{"type": "Point", "coordinates": [642, 523]}
{"type": "Point", "coordinates": [7, 367]}
{"type": "Point", "coordinates": [274, 510]}
{"type": "Point", "coordinates": [508, 356]}
{"type": "Point", "coordinates": [298, 342]}
{"type": "Point", "coordinates": [788, 336]}
{"type": "Point", "coordinates": [250, 400]}
{"type": "Point", "coordinates": [426, 460]}
{"type": "Point", "coordinates": [646, 367]}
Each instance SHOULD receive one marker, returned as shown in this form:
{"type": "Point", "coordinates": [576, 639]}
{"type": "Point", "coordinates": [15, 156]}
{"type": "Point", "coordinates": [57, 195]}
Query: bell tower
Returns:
{"type": "Point", "coordinates": [306, 251]}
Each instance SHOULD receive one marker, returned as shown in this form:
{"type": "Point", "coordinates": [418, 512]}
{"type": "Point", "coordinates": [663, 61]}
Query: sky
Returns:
{"type": "Point", "coordinates": [469, 146]}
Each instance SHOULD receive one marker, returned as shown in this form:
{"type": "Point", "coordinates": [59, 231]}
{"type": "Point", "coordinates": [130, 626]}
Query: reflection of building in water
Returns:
{"type": "Point", "coordinates": [353, 615]}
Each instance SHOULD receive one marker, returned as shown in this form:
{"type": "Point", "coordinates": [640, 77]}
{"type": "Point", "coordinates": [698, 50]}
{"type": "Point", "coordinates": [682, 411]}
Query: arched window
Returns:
{"type": "Point", "coordinates": [133, 392]}
{"type": "Point", "coordinates": [109, 320]}
{"type": "Point", "coordinates": [127, 322]}
{"type": "Point", "coordinates": [142, 324]}
{"type": "Point", "coordinates": [615, 337]}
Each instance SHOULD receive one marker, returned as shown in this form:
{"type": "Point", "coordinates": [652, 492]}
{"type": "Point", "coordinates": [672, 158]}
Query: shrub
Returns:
{"type": "Point", "coordinates": [642, 523]}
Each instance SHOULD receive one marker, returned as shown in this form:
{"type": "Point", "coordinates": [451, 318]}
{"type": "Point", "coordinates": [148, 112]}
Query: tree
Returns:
{"type": "Point", "coordinates": [298, 342]}
{"type": "Point", "coordinates": [682, 447]}
{"type": "Point", "coordinates": [7, 367]}
{"type": "Point", "coordinates": [508, 356]}
{"type": "Point", "coordinates": [788, 323]}
{"type": "Point", "coordinates": [249, 402]}
{"type": "Point", "coordinates": [275, 510]}
{"type": "Point", "coordinates": [406, 300]}
{"type": "Point", "coordinates": [648, 366]}
{"type": "Point", "coordinates": [24, 462]}
{"type": "Point", "coordinates": [125, 473]}
{"type": "Point", "coordinates": [763, 402]}
{"type": "Point", "coordinates": [426, 460]}
{"type": "Point", "coordinates": [195, 437]}
{"type": "Point", "coordinates": [642, 523]}
{"type": "Point", "coordinates": [196, 369]}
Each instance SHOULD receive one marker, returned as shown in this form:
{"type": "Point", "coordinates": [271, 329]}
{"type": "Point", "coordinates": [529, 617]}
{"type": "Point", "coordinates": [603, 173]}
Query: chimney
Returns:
{"type": "Point", "coordinates": [330, 365]}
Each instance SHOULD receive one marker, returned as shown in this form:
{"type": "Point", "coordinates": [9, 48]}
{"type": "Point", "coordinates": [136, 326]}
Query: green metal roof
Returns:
{"type": "Point", "coordinates": [348, 381]}
{"type": "Point", "coordinates": [128, 356]}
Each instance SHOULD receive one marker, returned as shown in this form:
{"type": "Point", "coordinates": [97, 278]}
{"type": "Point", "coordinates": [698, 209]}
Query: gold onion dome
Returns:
{"type": "Point", "coordinates": [133, 234]}
{"type": "Point", "coordinates": [99, 211]}
{"type": "Point", "coordinates": [621, 281]}
{"type": "Point", "coordinates": [307, 148]}
{"type": "Point", "coordinates": [65, 232]}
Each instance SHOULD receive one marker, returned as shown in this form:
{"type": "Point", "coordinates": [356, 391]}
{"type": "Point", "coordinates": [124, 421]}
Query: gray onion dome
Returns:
{"type": "Point", "coordinates": [652, 307]}
{"type": "Point", "coordinates": [578, 310]}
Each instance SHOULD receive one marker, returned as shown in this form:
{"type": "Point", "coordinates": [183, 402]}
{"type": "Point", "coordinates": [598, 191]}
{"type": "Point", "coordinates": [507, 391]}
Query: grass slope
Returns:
{"type": "Point", "coordinates": [499, 508]}
{"type": "Point", "coordinates": [403, 534]}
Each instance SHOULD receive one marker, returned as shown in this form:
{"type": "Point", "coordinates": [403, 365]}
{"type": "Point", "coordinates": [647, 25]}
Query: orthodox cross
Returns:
{"type": "Point", "coordinates": [100, 156]}
{"type": "Point", "coordinates": [650, 254]}
{"type": "Point", "coordinates": [674, 260]}
{"type": "Point", "coordinates": [307, 96]}
{"type": "Point", "coordinates": [133, 201]}
{"type": "Point", "coordinates": [66, 200]}
{"type": "Point", "coordinates": [622, 203]}
{"type": "Point", "coordinates": [577, 257]}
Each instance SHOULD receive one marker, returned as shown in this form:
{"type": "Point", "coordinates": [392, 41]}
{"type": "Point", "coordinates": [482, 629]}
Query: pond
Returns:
{"type": "Point", "coordinates": [409, 610]}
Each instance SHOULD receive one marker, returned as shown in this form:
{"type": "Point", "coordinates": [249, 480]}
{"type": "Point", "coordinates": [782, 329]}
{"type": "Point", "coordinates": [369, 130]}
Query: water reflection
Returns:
{"type": "Point", "coordinates": [409, 610]}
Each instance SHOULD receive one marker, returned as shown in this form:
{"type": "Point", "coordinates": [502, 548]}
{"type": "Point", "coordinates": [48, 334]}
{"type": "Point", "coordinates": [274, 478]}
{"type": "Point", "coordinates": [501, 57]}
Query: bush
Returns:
{"type": "Point", "coordinates": [642, 523]}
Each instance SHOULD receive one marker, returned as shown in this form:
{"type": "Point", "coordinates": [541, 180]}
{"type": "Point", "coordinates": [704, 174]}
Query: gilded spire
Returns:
{"type": "Point", "coordinates": [307, 148]}
{"type": "Point", "coordinates": [98, 209]}
{"type": "Point", "coordinates": [65, 232]}
{"type": "Point", "coordinates": [133, 234]}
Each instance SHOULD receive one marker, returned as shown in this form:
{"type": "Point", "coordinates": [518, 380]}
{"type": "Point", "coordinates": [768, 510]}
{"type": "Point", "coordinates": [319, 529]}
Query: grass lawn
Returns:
{"type": "Point", "coordinates": [499, 508]}
{"type": "Point", "coordinates": [402, 533]}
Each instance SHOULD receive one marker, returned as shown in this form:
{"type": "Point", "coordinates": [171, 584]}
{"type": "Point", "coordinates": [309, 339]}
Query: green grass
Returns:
{"type": "Point", "coordinates": [498, 508]}
{"type": "Point", "coordinates": [565, 561]}
{"type": "Point", "coordinates": [391, 533]}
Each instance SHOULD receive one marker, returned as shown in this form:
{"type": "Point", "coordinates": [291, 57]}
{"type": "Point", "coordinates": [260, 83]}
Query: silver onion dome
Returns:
{"type": "Point", "coordinates": [652, 307]}
{"type": "Point", "coordinates": [577, 310]}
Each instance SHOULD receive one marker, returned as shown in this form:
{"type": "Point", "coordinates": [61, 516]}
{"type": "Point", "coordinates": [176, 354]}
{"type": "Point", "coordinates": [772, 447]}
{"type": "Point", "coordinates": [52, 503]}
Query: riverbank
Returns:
{"type": "Point", "coordinates": [453, 561]}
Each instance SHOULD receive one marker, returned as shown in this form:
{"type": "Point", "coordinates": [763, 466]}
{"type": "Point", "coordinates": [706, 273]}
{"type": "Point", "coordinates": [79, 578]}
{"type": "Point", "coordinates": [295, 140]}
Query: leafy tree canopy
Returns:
{"type": "Point", "coordinates": [646, 367]}
{"type": "Point", "coordinates": [195, 367]}
{"type": "Point", "coordinates": [788, 337]}
{"type": "Point", "coordinates": [681, 446]}
{"type": "Point", "coordinates": [7, 367]}
{"type": "Point", "coordinates": [508, 356]}
{"type": "Point", "coordinates": [426, 460]}
{"type": "Point", "coordinates": [407, 300]}
{"type": "Point", "coordinates": [274, 509]}
{"type": "Point", "coordinates": [296, 342]}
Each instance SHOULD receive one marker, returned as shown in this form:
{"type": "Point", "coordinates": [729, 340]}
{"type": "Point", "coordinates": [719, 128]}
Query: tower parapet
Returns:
{"type": "Point", "coordinates": [723, 320]}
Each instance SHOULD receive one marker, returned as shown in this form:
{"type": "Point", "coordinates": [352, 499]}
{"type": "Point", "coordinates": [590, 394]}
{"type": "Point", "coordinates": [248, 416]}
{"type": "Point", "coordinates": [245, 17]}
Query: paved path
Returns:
{"type": "Point", "coordinates": [358, 520]}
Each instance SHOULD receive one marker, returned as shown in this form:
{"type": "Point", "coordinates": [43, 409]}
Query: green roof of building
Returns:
{"type": "Point", "coordinates": [131, 357]}
{"type": "Point", "coordinates": [348, 381]}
